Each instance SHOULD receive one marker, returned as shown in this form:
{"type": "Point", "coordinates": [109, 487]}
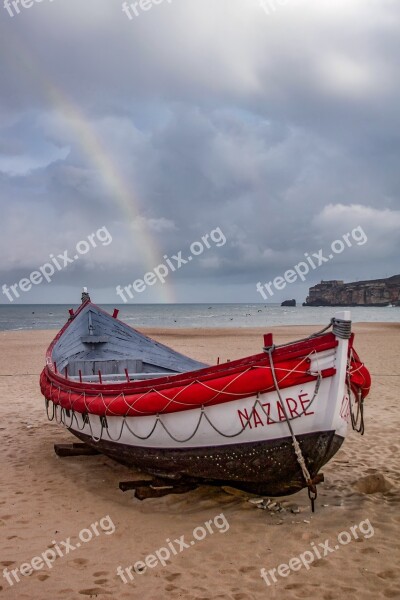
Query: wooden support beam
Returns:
{"type": "Point", "coordinates": [76, 449]}
{"type": "Point", "coordinates": [156, 488]}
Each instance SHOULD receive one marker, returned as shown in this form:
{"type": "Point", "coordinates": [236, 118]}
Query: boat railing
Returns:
{"type": "Point", "coordinates": [120, 377]}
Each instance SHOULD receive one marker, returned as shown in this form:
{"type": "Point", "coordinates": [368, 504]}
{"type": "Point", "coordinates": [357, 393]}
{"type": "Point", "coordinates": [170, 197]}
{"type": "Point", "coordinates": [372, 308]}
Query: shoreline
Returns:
{"type": "Point", "coordinates": [205, 330]}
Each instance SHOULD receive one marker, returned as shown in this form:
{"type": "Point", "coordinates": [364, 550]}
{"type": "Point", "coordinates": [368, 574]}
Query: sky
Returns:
{"type": "Point", "coordinates": [250, 135]}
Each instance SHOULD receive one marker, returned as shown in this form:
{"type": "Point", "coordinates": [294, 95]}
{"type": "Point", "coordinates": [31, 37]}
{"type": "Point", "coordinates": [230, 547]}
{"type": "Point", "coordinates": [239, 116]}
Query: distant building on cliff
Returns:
{"type": "Point", "coordinates": [378, 292]}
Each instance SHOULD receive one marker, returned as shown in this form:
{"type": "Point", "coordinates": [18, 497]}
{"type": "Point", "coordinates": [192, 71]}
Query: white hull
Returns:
{"type": "Point", "coordinates": [253, 419]}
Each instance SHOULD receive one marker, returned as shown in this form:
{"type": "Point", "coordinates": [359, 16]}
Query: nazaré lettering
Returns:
{"type": "Point", "coordinates": [257, 417]}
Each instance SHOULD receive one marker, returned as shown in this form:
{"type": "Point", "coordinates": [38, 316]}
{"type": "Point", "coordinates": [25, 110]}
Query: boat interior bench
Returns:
{"type": "Point", "coordinates": [111, 370]}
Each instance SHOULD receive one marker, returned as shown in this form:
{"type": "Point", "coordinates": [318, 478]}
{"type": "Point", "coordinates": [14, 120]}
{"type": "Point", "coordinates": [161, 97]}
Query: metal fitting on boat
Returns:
{"type": "Point", "coordinates": [341, 328]}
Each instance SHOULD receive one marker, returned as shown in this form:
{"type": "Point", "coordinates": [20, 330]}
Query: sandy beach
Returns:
{"type": "Point", "coordinates": [46, 502]}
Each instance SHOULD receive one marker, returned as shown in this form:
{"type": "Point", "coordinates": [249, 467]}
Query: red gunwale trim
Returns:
{"type": "Point", "coordinates": [189, 397]}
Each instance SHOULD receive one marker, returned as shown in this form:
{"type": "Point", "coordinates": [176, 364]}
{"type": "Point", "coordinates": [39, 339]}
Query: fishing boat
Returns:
{"type": "Point", "coordinates": [265, 424]}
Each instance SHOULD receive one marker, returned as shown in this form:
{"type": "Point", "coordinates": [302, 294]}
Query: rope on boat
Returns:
{"type": "Point", "coordinates": [306, 339]}
{"type": "Point", "coordinates": [312, 488]}
{"type": "Point", "coordinates": [314, 396]}
{"type": "Point", "coordinates": [61, 418]}
{"type": "Point", "coordinates": [357, 420]}
{"type": "Point", "coordinates": [341, 328]}
{"type": "Point", "coordinates": [186, 404]}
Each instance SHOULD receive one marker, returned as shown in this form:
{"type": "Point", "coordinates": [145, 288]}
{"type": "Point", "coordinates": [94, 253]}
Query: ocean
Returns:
{"type": "Point", "coordinates": [53, 316]}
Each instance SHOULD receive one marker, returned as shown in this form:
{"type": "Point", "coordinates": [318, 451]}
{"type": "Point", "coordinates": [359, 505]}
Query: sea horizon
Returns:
{"type": "Point", "coordinates": [197, 315]}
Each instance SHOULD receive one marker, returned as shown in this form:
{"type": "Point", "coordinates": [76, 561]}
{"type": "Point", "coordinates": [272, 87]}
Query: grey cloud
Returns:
{"type": "Point", "coordinates": [282, 129]}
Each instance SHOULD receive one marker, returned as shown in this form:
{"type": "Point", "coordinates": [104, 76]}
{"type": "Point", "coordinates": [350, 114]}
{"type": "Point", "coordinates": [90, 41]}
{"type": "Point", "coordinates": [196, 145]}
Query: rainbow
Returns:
{"type": "Point", "coordinates": [87, 138]}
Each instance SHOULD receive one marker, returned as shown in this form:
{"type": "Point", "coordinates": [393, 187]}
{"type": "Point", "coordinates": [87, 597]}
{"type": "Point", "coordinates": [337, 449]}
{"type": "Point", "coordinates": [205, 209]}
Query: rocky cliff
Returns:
{"type": "Point", "coordinates": [289, 303]}
{"type": "Point", "coordinates": [378, 292]}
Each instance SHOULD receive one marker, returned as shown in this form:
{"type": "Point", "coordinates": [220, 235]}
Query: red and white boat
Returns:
{"type": "Point", "coordinates": [265, 423]}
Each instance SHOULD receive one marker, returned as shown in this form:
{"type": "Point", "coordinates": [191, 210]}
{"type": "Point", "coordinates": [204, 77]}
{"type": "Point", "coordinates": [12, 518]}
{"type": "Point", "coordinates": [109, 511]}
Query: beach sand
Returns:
{"type": "Point", "coordinates": [45, 499]}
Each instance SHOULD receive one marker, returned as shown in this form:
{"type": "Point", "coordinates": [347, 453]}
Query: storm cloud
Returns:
{"type": "Point", "coordinates": [276, 121]}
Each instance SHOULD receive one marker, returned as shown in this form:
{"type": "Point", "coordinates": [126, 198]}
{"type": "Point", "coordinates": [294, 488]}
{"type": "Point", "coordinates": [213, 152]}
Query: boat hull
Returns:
{"type": "Point", "coordinates": [266, 468]}
{"type": "Point", "coordinates": [265, 423]}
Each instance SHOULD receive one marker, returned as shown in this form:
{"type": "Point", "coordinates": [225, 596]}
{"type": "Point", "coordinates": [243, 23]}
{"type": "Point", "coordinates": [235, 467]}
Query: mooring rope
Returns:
{"type": "Point", "coordinates": [312, 489]}
{"type": "Point", "coordinates": [357, 421]}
